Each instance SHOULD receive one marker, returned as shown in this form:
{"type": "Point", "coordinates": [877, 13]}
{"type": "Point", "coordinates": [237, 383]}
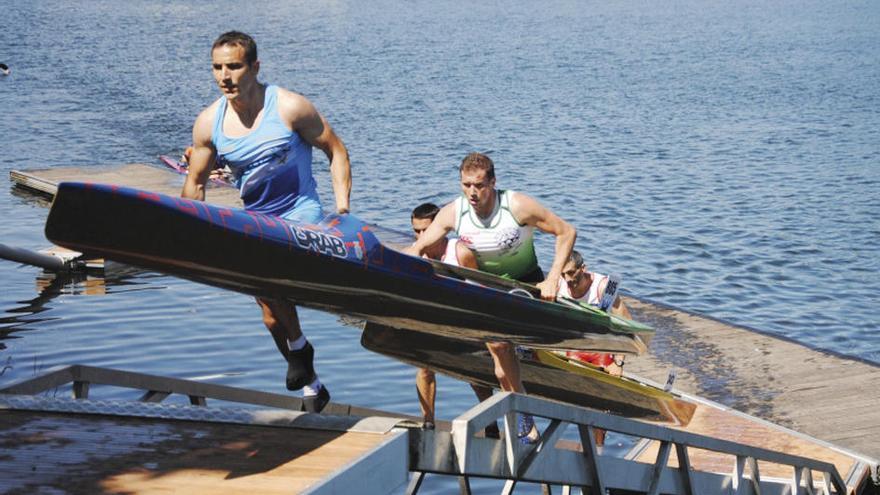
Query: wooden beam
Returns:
{"type": "Point", "coordinates": [548, 439]}
{"type": "Point", "coordinates": [738, 476]}
{"type": "Point", "coordinates": [756, 475]}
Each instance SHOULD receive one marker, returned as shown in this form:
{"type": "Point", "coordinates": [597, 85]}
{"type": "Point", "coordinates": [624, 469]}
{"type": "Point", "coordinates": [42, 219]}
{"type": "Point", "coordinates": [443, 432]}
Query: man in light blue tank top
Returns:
{"type": "Point", "coordinates": [265, 135]}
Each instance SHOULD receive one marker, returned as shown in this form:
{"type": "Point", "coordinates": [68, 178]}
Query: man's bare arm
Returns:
{"type": "Point", "coordinates": [305, 119]}
{"type": "Point", "coordinates": [529, 211]}
{"type": "Point", "coordinates": [466, 257]}
{"type": "Point", "coordinates": [620, 309]}
{"type": "Point", "coordinates": [201, 160]}
{"type": "Point", "coordinates": [442, 224]}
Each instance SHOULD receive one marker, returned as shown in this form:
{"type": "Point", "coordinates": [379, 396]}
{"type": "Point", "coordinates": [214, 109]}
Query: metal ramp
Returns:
{"type": "Point", "coordinates": [551, 462]}
{"type": "Point", "coordinates": [676, 464]}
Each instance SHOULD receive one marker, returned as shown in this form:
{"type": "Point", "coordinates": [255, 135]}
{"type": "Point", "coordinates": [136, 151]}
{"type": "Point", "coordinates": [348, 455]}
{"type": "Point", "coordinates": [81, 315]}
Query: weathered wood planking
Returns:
{"type": "Point", "coordinates": [820, 394]}
{"type": "Point", "coordinates": [137, 175]}
{"type": "Point", "coordinates": [86, 454]}
{"type": "Point", "coordinates": [718, 423]}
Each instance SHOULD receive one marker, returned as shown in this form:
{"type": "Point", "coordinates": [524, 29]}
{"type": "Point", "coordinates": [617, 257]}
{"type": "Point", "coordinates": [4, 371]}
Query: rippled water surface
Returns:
{"type": "Point", "coordinates": [724, 157]}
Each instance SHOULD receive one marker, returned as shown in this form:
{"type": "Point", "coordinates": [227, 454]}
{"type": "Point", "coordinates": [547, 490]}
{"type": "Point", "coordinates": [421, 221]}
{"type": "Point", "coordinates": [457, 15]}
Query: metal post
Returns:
{"type": "Point", "coordinates": [80, 390]}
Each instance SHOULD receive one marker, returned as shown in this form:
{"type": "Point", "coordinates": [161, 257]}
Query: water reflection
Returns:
{"type": "Point", "coordinates": [104, 279]}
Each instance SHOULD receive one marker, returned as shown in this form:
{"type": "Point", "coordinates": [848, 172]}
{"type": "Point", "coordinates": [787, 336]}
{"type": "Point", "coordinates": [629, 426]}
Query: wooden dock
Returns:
{"type": "Point", "coordinates": [82, 446]}
{"type": "Point", "coordinates": [761, 390]}
{"type": "Point", "coordinates": [84, 453]}
{"type": "Point", "coordinates": [818, 393]}
{"type": "Point", "coordinates": [139, 175]}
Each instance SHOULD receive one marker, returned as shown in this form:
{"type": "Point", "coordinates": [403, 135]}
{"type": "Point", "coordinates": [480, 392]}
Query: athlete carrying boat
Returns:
{"type": "Point", "coordinates": [265, 135]}
{"type": "Point", "coordinates": [593, 288]}
{"type": "Point", "coordinates": [452, 252]}
{"type": "Point", "coordinates": [497, 225]}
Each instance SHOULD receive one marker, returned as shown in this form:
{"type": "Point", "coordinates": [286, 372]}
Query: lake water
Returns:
{"type": "Point", "coordinates": [723, 157]}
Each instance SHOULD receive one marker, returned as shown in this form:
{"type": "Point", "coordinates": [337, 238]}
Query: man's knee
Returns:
{"type": "Point", "coordinates": [279, 315]}
{"type": "Point", "coordinates": [269, 320]}
{"type": "Point", "coordinates": [500, 349]}
{"type": "Point", "coordinates": [425, 374]}
{"type": "Point", "coordinates": [505, 359]}
{"type": "Point", "coordinates": [500, 371]}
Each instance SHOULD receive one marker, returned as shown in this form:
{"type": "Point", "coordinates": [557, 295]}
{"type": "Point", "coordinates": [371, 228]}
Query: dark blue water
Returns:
{"type": "Point", "coordinates": [723, 157]}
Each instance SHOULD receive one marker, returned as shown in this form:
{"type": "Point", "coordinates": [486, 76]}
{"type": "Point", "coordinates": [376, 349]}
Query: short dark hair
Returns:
{"type": "Point", "coordinates": [576, 258]}
{"type": "Point", "coordinates": [478, 161]}
{"type": "Point", "coordinates": [425, 210]}
{"type": "Point", "coordinates": [237, 38]}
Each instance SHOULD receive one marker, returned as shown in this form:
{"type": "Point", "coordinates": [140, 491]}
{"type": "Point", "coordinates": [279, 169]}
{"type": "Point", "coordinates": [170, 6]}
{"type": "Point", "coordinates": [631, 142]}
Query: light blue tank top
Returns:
{"type": "Point", "coordinates": [271, 166]}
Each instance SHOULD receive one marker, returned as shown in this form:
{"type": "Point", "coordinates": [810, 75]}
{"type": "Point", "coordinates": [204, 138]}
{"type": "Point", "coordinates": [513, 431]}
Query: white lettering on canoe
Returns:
{"type": "Point", "coordinates": [319, 242]}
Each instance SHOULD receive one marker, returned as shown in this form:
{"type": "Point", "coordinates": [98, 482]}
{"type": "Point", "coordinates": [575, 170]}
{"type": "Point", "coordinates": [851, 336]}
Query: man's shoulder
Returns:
{"type": "Point", "coordinates": [525, 209]}
{"type": "Point", "coordinates": [208, 113]}
{"type": "Point", "coordinates": [285, 93]}
{"type": "Point", "coordinates": [293, 106]}
{"type": "Point", "coordinates": [290, 99]}
{"type": "Point", "coordinates": [517, 197]}
{"type": "Point", "coordinates": [204, 124]}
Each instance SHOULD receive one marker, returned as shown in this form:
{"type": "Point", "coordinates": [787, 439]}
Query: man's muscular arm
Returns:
{"type": "Point", "coordinates": [466, 257]}
{"type": "Point", "coordinates": [202, 159]}
{"type": "Point", "coordinates": [304, 118]}
{"type": "Point", "coordinates": [529, 211]}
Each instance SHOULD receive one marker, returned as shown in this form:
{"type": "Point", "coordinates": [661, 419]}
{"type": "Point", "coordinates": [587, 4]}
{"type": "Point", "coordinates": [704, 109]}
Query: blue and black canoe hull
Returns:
{"type": "Point", "coordinates": [338, 265]}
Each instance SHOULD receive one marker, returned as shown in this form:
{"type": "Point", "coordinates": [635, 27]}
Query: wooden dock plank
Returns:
{"type": "Point", "coordinates": [139, 175]}
{"type": "Point", "coordinates": [109, 454]}
{"type": "Point", "coordinates": [717, 423]}
{"type": "Point", "coordinates": [807, 390]}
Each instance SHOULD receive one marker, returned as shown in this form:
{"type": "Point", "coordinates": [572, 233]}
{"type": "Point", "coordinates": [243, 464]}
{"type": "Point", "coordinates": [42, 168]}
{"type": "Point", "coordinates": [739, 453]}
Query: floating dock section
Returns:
{"type": "Point", "coordinates": [82, 446]}
{"type": "Point", "coordinates": [79, 445]}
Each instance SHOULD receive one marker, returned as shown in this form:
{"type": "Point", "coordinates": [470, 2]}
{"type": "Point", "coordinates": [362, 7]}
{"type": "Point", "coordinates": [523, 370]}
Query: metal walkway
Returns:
{"type": "Point", "coordinates": [463, 452]}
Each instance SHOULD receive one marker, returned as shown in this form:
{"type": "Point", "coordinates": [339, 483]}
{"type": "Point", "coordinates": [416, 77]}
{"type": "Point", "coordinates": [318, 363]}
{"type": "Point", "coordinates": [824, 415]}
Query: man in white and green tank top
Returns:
{"type": "Point", "coordinates": [498, 227]}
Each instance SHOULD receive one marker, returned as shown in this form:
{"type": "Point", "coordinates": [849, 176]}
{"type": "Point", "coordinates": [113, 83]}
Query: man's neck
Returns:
{"type": "Point", "coordinates": [582, 288]}
{"type": "Point", "coordinates": [248, 106]}
{"type": "Point", "coordinates": [486, 211]}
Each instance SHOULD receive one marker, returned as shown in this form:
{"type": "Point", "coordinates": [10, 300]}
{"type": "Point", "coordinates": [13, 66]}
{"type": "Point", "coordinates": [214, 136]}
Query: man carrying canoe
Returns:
{"type": "Point", "coordinates": [264, 134]}
{"type": "Point", "coordinates": [497, 225]}
{"type": "Point", "coordinates": [452, 252]}
{"type": "Point", "coordinates": [589, 287]}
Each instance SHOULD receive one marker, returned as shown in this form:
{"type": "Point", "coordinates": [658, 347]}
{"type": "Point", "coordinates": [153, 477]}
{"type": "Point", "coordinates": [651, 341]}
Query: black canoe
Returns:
{"type": "Point", "coordinates": [338, 266]}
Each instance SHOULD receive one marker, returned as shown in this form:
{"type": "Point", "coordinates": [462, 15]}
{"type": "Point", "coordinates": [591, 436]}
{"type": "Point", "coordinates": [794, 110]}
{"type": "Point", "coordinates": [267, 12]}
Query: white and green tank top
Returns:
{"type": "Point", "coordinates": [500, 243]}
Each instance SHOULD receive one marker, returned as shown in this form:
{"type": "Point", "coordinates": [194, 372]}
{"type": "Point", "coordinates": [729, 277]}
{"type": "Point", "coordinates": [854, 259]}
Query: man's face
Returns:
{"type": "Point", "coordinates": [477, 188]}
{"type": "Point", "coordinates": [232, 72]}
{"type": "Point", "coordinates": [574, 275]}
{"type": "Point", "coordinates": [434, 251]}
{"type": "Point", "coordinates": [420, 225]}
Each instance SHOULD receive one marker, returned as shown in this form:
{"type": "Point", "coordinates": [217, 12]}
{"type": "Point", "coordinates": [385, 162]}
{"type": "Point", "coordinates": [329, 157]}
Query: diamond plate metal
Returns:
{"type": "Point", "coordinates": [229, 415]}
